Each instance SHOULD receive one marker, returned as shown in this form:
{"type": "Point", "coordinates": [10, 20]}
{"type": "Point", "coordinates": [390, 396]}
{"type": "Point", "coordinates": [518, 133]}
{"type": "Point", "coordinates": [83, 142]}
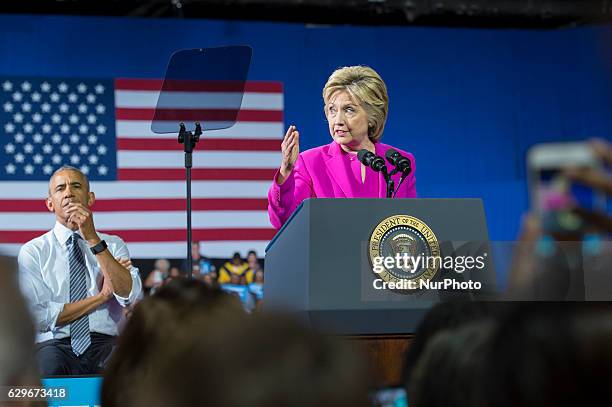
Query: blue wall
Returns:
{"type": "Point", "coordinates": [467, 103]}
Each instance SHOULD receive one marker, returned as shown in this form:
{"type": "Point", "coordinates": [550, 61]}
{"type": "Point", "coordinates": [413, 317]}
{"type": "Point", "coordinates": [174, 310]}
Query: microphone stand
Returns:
{"type": "Point", "coordinates": [189, 139]}
{"type": "Point", "coordinates": [402, 178]}
{"type": "Point", "coordinates": [389, 181]}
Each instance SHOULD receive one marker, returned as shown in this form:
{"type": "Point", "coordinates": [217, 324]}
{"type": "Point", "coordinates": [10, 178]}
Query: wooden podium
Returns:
{"type": "Point", "coordinates": [318, 267]}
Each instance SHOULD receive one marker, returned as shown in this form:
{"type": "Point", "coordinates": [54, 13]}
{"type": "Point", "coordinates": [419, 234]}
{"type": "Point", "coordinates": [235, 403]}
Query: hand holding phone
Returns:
{"type": "Point", "coordinates": [566, 182]}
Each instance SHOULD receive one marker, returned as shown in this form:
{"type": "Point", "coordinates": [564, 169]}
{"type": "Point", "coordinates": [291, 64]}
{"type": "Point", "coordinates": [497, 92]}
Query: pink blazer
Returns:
{"type": "Point", "coordinates": [329, 172]}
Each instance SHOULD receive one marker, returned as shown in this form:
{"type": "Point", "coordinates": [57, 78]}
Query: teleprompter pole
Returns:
{"type": "Point", "coordinates": [189, 140]}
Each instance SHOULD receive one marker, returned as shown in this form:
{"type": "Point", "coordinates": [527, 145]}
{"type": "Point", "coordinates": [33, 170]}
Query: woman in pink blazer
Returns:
{"type": "Point", "coordinates": [356, 106]}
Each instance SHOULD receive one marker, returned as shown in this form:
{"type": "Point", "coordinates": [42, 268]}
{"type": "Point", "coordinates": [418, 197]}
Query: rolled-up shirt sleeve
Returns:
{"type": "Point", "coordinates": [123, 252]}
{"type": "Point", "coordinates": [38, 295]}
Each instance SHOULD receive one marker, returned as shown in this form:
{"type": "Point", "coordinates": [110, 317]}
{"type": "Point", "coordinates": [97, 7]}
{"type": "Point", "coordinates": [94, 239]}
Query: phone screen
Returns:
{"type": "Point", "coordinates": [553, 195]}
{"type": "Point", "coordinates": [389, 397]}
{"type": "Point", "coordinates": [557, 193]}
{"type": "Point", "coordinates": [557, 196]}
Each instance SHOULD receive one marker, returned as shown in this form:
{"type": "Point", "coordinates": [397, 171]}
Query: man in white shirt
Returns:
{"type": "Point", "coordinates": [74, 284]}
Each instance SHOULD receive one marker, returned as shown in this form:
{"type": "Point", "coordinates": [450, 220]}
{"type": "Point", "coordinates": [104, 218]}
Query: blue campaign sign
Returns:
{"type": "Point", "coordinates": [257, 290]}
{"type": "Point", "coordinates": [242, 292]}
{"type": "Point", "coordinates": [81, 391]}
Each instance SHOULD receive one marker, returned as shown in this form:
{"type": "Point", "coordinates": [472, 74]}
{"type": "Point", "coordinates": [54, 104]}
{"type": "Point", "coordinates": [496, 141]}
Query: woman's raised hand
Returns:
{"type": "Point", "coordinates": [290, 148]}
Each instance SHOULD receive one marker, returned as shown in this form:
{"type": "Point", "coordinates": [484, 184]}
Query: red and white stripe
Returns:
{"type": "Point", "coordinates": [232, 172]}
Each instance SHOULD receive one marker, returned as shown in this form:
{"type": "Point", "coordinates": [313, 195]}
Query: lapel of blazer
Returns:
{"type": "Point", "coordinates": [336, 169]}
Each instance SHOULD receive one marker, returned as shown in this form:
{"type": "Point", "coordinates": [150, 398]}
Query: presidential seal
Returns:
{"type": "Point", "coordinates": [399, 249]}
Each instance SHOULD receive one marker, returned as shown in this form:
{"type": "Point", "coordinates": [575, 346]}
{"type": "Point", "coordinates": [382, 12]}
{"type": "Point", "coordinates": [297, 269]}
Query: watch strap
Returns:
{"type": "Point", "coordinates": [99, 248]}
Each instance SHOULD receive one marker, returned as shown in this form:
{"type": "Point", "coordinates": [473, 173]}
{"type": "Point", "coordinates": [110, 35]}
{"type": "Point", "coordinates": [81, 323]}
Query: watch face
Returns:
{"type": "Point", "coordinates": [99, 248]}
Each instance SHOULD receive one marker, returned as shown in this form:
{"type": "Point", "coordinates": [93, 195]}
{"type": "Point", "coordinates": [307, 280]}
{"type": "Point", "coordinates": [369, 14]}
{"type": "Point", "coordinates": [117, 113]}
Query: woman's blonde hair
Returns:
{"type": "Point", "coordinates": [366, 86]}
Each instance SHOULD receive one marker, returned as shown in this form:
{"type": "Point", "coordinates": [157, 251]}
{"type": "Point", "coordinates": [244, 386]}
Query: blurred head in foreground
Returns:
{"type": "Point", "coordinates": [17, 363]}
{"type": "Point", "coordinates": [158, 324]}
{"type": "Point", "coordinates": [453, 359]}
{"type": "Point", "coordinates": [252, 361]}
{"type": "Point", "coordinates": [551, 355]}
{"type": "Point", "coordinates": [443, 316]}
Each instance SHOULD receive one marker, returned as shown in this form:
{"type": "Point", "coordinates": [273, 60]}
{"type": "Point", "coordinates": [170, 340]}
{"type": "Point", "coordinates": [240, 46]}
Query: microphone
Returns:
{"type": "Point", "coordinates": [399, 161]}
{"type": "Point", "coordinates": [371, 160]}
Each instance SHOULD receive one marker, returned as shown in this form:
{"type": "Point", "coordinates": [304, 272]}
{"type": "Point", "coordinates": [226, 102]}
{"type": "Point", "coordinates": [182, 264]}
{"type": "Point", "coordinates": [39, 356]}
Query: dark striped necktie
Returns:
{"type": "Point", "coordinates": [80, 338]}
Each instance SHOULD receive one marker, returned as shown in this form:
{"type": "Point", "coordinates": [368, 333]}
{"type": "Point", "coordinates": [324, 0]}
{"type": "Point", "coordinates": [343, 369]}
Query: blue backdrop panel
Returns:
{"type": "Point", "coordinates": [468, 103]}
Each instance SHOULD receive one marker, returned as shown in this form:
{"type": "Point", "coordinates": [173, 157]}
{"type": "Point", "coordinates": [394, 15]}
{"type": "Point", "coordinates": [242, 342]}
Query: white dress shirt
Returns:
{"type": "Point", "coordinates": [44, 277]}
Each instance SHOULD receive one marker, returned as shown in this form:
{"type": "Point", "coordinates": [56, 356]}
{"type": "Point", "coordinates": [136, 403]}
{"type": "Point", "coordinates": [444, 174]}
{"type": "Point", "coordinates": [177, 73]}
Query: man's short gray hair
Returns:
{"type": "Point", "coordinates": [70, 168]}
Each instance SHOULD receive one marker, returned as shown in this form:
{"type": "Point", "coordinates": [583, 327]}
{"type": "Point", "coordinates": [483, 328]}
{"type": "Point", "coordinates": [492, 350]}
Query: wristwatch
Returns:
{"type": "Point", "coordinates": [99, 248]}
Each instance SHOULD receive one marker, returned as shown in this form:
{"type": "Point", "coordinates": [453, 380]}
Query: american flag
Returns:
{"type": "Point", "coordinates": [103, 127]}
